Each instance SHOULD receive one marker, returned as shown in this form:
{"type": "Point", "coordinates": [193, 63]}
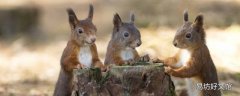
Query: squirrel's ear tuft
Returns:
{"type": "Point", "coordinates": [72, 17]}
{"type": "Point", "coordinates": [132, 17]}
{"type": "Point", "coordinates": [117, 20]}
{"type": "Point", "coordinates": [90, 14]}
{"type": "Point", "coordinates": [185, 15]}
{"type": "Point", "coordinates": [199, 20]}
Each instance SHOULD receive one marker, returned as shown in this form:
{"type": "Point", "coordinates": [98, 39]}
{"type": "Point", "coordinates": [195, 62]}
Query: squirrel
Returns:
{"type": "Point", "coordinates": [125, 38]}
{"type": "Point", "coordinates": [193, 61]}
{"type": "Point", "coordinates": [80, 52]}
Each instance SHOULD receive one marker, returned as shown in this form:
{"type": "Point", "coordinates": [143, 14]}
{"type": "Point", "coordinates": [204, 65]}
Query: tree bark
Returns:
{"type": "Point", "coordinates": [144, 79]}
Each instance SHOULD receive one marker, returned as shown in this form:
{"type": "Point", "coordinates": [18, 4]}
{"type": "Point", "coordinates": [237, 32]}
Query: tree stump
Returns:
{"type": "Point", "coordinates": [142, 79]}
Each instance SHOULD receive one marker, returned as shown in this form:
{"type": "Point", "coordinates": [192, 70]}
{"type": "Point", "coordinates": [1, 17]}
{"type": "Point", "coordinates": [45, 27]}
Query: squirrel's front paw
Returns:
{"type": "Point", "coordinates": [80, 66]}
{"type": "Point", "coordinates": [166, 63]}
{"type": "Point", "coordinates": [144, 58]}
{"type": "Point", "coordinates": [156, 60]}
{"type": "Point", "coordinates": [108, 68]}
{"type": "Point", "coordinates": [105, 68]}
{"type": "Point", "coordinates": [130, 62]}
{"type": "Point", "coordinates": [168, 70]}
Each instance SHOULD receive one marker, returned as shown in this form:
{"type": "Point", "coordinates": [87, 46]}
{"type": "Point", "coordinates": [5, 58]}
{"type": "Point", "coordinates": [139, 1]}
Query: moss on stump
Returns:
{"type": "Point", "coordinates": [142, 79]}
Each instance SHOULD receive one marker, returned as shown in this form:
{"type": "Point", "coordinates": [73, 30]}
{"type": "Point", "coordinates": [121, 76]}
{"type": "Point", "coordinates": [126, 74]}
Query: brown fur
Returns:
{"type": "Point", "coordinates": [119, 42]}
{"type": "Point", "coordinates": [199, 66]}
{"type": "Point", "coordinates": [83, 34]}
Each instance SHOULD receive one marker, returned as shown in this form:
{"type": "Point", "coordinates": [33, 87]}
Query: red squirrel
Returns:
{"type": "Point", "coordinates": [193, 60]}
{"type": "Point", "coordinates": [125, 38]}
{"type": "Point", "coordinates": [80, 52]}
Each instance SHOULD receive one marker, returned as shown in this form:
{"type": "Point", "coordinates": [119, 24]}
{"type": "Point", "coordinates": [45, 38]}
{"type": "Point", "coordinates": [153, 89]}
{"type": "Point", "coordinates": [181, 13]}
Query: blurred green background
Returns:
{"type": "Point", "coordinates": [33, 34]}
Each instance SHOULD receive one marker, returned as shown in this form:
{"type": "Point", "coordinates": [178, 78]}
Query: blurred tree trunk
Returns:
{"type": "Point", "coordinates": [19, 21]}
{"type": "Point", "coordinates": [140, 80]}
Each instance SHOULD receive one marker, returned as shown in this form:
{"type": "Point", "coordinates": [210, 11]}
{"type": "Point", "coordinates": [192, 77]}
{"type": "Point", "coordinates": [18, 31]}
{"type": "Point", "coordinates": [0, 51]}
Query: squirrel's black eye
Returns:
{"type": "Point", "coordinates": [126, 34]}
{"type": "Point", "coordinates": [80, 31]}
{"type": "Point", "coordinates": [188, 35]}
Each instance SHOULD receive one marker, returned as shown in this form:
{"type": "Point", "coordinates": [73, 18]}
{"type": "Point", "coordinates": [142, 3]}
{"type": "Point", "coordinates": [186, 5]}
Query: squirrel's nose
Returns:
{"type": "Point", "coordinates": [93, 40]}
{"type": "Point", "coordinates": [139, 43]}
{"type": "Point", "coordinates": [175, 44]}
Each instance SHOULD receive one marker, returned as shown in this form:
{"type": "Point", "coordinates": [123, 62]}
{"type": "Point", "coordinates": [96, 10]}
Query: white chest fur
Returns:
{"type": "Point", "coordinates": [185, 56]}
{"type": "Point", "coordinates": [127, 54]}
{"type": "Point", "coordinates": [85, 56]}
